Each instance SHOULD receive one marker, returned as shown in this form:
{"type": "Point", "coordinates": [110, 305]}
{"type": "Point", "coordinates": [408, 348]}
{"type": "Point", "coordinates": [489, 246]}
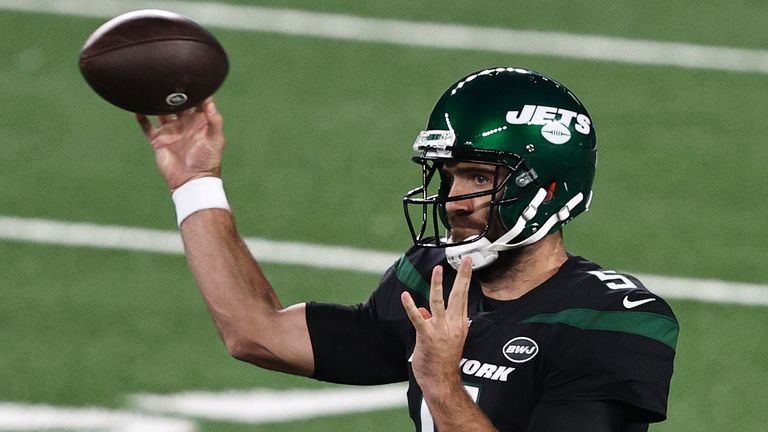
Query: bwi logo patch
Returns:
{"type": "Point", "coordinates": [520, 349]}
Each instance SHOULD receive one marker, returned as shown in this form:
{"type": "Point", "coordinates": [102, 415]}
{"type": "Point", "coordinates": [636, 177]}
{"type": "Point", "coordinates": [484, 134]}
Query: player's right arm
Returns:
{"type": "Point", "coordinates": [249, 317]}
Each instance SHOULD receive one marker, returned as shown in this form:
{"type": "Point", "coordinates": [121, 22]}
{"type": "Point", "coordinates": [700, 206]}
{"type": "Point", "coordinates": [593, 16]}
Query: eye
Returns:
{"type": "Point", "coordinates": [480, 179]}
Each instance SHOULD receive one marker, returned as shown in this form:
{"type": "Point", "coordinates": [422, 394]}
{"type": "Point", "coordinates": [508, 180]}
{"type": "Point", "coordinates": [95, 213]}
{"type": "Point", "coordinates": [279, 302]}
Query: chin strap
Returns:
{"type": "Point", "coordinates": [484, 253]}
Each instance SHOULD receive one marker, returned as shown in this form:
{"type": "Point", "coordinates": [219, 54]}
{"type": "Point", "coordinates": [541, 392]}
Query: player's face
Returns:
{"type": "Point", "coordinates": [469, 217]}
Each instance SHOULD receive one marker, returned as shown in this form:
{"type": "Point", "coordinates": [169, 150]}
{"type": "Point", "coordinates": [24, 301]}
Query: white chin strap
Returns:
{"type": "Point", "coordinates": [484, 253]}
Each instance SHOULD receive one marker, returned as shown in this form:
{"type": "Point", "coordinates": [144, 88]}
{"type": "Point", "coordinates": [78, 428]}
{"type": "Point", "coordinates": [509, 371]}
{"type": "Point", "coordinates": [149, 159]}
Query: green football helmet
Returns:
{"type": "Point", "coordinates": [542, 142]}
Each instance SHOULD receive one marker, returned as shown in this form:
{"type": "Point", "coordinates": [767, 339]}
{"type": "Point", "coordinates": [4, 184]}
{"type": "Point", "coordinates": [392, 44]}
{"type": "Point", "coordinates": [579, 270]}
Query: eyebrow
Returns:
{"type": "Point", "coordinates": [491, 169]}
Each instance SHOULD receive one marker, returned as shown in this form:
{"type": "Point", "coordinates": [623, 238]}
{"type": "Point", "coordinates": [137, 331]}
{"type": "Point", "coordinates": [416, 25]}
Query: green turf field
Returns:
{"type": "Point", "coordinates": [319, 134]}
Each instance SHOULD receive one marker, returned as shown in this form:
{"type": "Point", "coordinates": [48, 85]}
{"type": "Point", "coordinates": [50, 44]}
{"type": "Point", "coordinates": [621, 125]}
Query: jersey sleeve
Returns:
{"type": "Point", "coordinates": [358, 344]}
{"type": "Point", "coordinates": [609, 352]}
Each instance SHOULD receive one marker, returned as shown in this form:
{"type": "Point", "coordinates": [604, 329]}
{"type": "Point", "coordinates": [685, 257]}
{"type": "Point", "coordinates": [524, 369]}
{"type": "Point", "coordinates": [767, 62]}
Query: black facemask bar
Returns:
{"type": "Point", "coordinates": [433, 205]}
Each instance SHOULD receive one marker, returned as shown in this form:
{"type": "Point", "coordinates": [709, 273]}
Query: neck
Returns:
{"type": "Point", "coordinates": [517, 272]}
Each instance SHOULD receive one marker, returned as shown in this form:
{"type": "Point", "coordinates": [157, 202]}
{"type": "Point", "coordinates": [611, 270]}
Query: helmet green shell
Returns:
{"type": "Point", "coordinates": [526, 114]}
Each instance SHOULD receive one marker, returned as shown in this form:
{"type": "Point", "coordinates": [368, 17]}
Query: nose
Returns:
{"type": "Point", "coordinates": [464, 206]}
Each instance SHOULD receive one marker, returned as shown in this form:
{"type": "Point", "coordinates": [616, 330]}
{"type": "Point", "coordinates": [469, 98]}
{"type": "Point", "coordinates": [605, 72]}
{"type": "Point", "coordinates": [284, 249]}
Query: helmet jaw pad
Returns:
{"type": "Point", "coordinates": [485, 253]}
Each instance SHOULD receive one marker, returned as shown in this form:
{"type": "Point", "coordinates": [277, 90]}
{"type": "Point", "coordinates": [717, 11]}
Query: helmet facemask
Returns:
{"type": "Point", "coordinates": [435, 228]}
{"type": "Point", "coordinates": [435, 150]}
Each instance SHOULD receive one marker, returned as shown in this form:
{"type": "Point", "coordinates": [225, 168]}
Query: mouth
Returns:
{"type": "Point", "coordinates": [463, 229]}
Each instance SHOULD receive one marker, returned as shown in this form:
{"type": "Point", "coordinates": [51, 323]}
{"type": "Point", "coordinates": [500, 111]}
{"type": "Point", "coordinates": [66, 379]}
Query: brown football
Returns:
{"type": "Point", "coordinates": [153, 62]}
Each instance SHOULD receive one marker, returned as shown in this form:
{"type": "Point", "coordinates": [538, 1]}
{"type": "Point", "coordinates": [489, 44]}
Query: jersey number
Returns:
{"type": "Point", "coordinates": [427, 423]}
{"type": "Point", "coordinates": [613, 280]}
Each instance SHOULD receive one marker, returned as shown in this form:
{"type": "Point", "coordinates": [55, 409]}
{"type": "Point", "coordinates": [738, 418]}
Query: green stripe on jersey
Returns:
{"type": "Point", "coordinates": [408, 275]}
{"type": "Point", "coordinates": [657, 327]}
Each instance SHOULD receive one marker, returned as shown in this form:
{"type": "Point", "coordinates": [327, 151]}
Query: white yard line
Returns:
{"type": "Point", "coordinates": [169, 242]}
{"type": "Point", "coordinates": [23, 417]}
{"type": "Point", "coordinates": [322, 256]}
{"type": "Point", "coordinates": [422, 34]}
{"type": "Point", "coordinates": [266, 405]}
{"type": "Point", "coordinates": [147, 412]}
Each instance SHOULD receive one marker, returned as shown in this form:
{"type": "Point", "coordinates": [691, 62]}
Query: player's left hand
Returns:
{"type": "Point", "coordinates": [440, 334]}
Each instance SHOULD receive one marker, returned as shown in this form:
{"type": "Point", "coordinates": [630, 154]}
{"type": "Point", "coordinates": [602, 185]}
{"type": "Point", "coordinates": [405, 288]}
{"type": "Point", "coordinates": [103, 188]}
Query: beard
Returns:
{"type": "Point", "coordinates": [465, 231]}
{"type": "Point", "coordinates": [463, 227]}
{"type": "Point", "coordinates": [506, 261]}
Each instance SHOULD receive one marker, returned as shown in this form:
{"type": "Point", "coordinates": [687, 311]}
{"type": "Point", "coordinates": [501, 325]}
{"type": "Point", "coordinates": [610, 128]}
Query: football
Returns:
{"type": "Point", "coordinates": [153, 62]}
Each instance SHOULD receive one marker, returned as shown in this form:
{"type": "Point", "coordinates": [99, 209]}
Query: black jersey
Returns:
{"type": "Point", "coordinates": [584, 334]}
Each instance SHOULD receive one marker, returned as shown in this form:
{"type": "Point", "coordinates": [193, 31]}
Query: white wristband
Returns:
{"type": "Point", "coordinates": [199, 194]}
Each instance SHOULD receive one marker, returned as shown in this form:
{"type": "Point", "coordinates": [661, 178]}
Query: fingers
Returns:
{"type": "Point", "coordinates": [166, 118]}
{"type": "Point", "coordinates": [436, 303]}
{"type": "Point", "coordinates": [183, 114]}
{"type": "Point", "coordinates": [145, 124]}
{"type": "Point", "coordinates": [215, 121]}
{"type": "Point", "coordinates": [416, 317]}
{"type": "Point", "coordinates": [201, 106]}
{"type": "Point", "coordinates": [457, 301]}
